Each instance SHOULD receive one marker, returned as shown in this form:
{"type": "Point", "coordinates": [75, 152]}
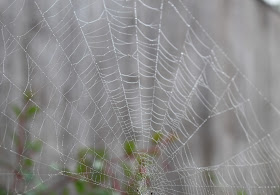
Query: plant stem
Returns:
{"type": "Point", "coordinates": [20, 148]}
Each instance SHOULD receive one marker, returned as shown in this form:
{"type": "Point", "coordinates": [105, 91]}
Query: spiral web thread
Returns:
{"type": "Point", "coordinates": [105, 72]}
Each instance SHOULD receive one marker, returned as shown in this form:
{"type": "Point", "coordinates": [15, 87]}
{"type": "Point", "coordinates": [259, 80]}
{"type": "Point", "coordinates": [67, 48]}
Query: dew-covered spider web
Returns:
{"type": "Point", "coordinates": [127, 97]}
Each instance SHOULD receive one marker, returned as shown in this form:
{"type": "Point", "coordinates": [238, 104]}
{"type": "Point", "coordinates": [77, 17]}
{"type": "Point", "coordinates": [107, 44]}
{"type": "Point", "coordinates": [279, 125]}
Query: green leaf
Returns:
{"type": "Point", "coordinates": [81, 168]}
{"type": "Point", "coordinates": [27, 95]}
{"type": "Point", "coordinates": [32, 111]}
{"type": "Point", "coordinates": [241, 192]}
{"type": "Point", "coordinates": [80, 186]}
{"type": "Point", "coordinates": [28, 162]}
{"type": "Point", "coordinates": [3, 191]}
{"type": "Point", "coordinates": [127, 170]}
{"type": "Point", "coordinates": [129, 147]}
{"type": "Point", "coordinates": [157, 137]}
{"type": "Point", "coordinates": [16, 110]}
{"type": "Point", "coordinates": [36, 146]}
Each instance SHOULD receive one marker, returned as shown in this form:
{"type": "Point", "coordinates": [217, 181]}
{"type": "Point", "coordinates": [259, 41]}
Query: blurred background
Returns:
{"type": "Point", "coordinates": [139, 97]}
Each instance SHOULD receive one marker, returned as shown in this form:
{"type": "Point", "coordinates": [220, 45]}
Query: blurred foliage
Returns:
{"type": "Point", "coordinates": [29, 110]}
{"type": "Point", "coordinates": [157, 137]}
{"type": "Point", "coordinates": [211, 176]}
{"type": "Point", "coordinates": [127, 169]}
{"type": "Point", "coordinates": [80, 186]}
{"type": "Point", "coordinates": [28, 95]}
{"type": "Point", "coordinates": [3, 191]}
{"type": "Point", "coordinates": [129, 147]}
{"type": "Point", "coordinates": [34, 146]}
{"type": "Point", "coordinates": [241, 192]}
{"type": "Point", "coordinates": [93, 166]}
{"type": "Point", "coordinates": [277, 191]}
{"type": "Point", "coordinates": [16, 110]}
{"type": "Point", "coordinates": [24, 145]}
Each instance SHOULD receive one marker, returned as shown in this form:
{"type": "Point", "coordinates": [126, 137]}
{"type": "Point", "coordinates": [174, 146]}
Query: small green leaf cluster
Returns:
{"type": "Point", "coordinates": [157, 137]}
{"type": "Point", "coordinates": [28, 111]}
{"type": "Point", "coordinates": [241, 192]}
{"type": "Point", "coordinates": [129, 147]}
{"type": "Point", "coordinates": [91, 167]}
{"type": "Point", "coordinates": [23, 143]}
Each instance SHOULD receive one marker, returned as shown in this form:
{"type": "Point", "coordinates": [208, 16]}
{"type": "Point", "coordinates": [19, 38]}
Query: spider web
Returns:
{"type": "Point", "coordinates": [106, 72]}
